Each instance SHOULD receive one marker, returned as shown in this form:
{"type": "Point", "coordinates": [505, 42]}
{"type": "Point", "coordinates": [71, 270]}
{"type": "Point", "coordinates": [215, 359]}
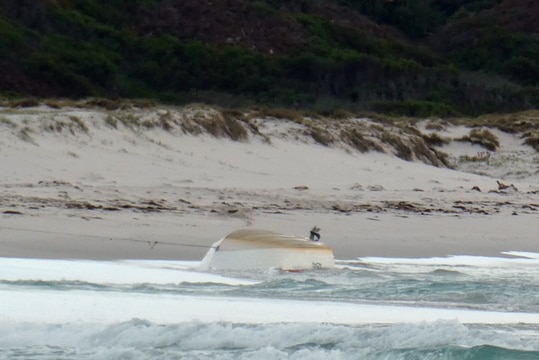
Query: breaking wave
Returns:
{"type": "Point", "coordinates": [147, 297]}
{"type": "Point", "coordinates": [140, 339]}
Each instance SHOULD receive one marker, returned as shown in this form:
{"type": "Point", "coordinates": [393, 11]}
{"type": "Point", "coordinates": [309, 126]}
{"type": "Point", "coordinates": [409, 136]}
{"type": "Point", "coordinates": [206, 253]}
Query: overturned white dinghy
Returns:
{"type": "Point", "coordinates": [260, 249]}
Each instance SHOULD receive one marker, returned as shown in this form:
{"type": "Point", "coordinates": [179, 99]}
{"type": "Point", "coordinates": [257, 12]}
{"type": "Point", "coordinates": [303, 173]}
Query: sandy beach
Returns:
{"type": "Point", "coordinates": [105, 216]}
{"type": "Point", "coordinates": [99, 191]}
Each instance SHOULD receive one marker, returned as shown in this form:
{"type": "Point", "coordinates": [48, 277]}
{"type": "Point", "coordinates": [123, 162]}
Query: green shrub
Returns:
{"type": "Point", "coordinates": [435, 125]}
{"type": "Point", "coordinates": [112, 121]}
{"type": "Point", "coordinates": [143, 103]}
{"type": "Point", "coordinates": [108, 104]}
{"type": "Point", "coordinates": [112, 49]}
{"type": "Point", "coordinates": [53, 103]}
{"type": "Point", "coordinates": [261, 8]}
{"type": "Point", "coordinates": [414, 108]}
{"type": "Point", "coordinates": [402, 150]}
{"type": "Point", "coordinates": [129, 120]}
{"type": "Point", "coordinates": [79, 123]}
{"type": "Point", "coordinates": [24, 103]}
{"type": "Point", "coordinates": [512, 123]}
{"type": "Point", "coordinates": [280, 113]}
{"type": "Point", "coordinates": [8, 122]}
{"type": "Point", "coordinates": [25, 135]}
{"type": "Point", "coordinates": [12, 36]}
{"type": "Point", "coordinates": [320, 135]}
{"type": "Point", "coordinates": [444, 158]}
{"type": "Point", "coordinates": [233, 125]}
{"type": "Point", "coordinates": [355, 138]}
{"type": "Point", "coordinates": [435, 139]}
{"type": "Point", "coordinates": [423, 152]}
{"type": "Point", "coordinates": [533, 141]}
{"type": "Point", "coordinates": [480, 157]}
{"type": "Point", "coordinates": [482, 137]}
{"type": "Point", "coordinates": [336, 113]}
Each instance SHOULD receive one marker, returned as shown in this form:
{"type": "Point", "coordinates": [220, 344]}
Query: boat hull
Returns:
{"type": "Point", "coordinates": [258, 249]}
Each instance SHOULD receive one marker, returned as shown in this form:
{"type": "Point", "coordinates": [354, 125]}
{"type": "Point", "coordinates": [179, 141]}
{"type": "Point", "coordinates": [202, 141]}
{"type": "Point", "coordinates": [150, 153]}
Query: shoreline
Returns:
{"type": "Point", "coordinates": [350, 236]}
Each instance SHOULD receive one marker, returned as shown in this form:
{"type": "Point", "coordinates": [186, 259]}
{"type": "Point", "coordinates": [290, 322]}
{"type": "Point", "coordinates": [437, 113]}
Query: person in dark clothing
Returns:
{"type": "Point", "coordinates": [315, 234]}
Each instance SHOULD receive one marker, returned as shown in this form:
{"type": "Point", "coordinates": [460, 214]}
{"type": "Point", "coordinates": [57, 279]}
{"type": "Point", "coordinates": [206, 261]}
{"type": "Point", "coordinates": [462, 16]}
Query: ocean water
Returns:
{"type": "Point", "coordinates": [369, 308]}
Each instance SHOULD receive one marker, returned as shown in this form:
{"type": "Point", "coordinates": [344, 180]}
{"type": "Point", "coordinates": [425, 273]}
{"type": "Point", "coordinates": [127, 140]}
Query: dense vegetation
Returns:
{"type": "Point", "coordinates": [414, 57]}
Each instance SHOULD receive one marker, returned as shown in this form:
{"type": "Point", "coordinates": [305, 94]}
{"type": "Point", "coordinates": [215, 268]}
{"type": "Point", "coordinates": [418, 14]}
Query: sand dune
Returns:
{"type": "Point", "coordinates": [79, 183]}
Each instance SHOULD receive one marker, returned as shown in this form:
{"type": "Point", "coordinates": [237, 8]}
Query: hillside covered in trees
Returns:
{"type": "Point", "coordinates": [413, 57]}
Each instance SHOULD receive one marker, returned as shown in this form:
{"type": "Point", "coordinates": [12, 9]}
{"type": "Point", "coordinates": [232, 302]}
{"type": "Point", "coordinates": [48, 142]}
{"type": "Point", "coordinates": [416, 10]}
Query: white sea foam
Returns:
{"type": "Point", "coordinates": [25, 305]}
{"type": "Point", "coordinates": [116, 304]}
{"type": "Point", "coordinates": [47, 311]}
{"type": "Point", "coordinates": [110, 272]}
{"type": "Point", "coordinates": [522, 254]}
{"type": "Point", "coordinates": [511, 270]}
{"type": "Point", "coordinates": [520, 258]}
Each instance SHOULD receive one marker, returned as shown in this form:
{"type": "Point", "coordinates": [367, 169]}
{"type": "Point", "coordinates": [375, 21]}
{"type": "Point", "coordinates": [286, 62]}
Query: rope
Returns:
{"type": "Point", "coordinates": [152, 244]}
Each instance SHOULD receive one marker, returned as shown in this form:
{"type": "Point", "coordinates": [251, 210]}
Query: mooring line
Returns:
{"type": "Point", "coordinates": [152, 244]}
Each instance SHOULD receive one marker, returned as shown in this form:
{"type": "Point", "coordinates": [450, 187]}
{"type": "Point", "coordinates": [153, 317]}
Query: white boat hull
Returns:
{"type": "Point", "coordinates": [258, 249]}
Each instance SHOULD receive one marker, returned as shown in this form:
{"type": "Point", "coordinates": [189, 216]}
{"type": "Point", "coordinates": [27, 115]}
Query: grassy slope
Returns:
{"type": "Point", "coordinates": [450, 57]}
